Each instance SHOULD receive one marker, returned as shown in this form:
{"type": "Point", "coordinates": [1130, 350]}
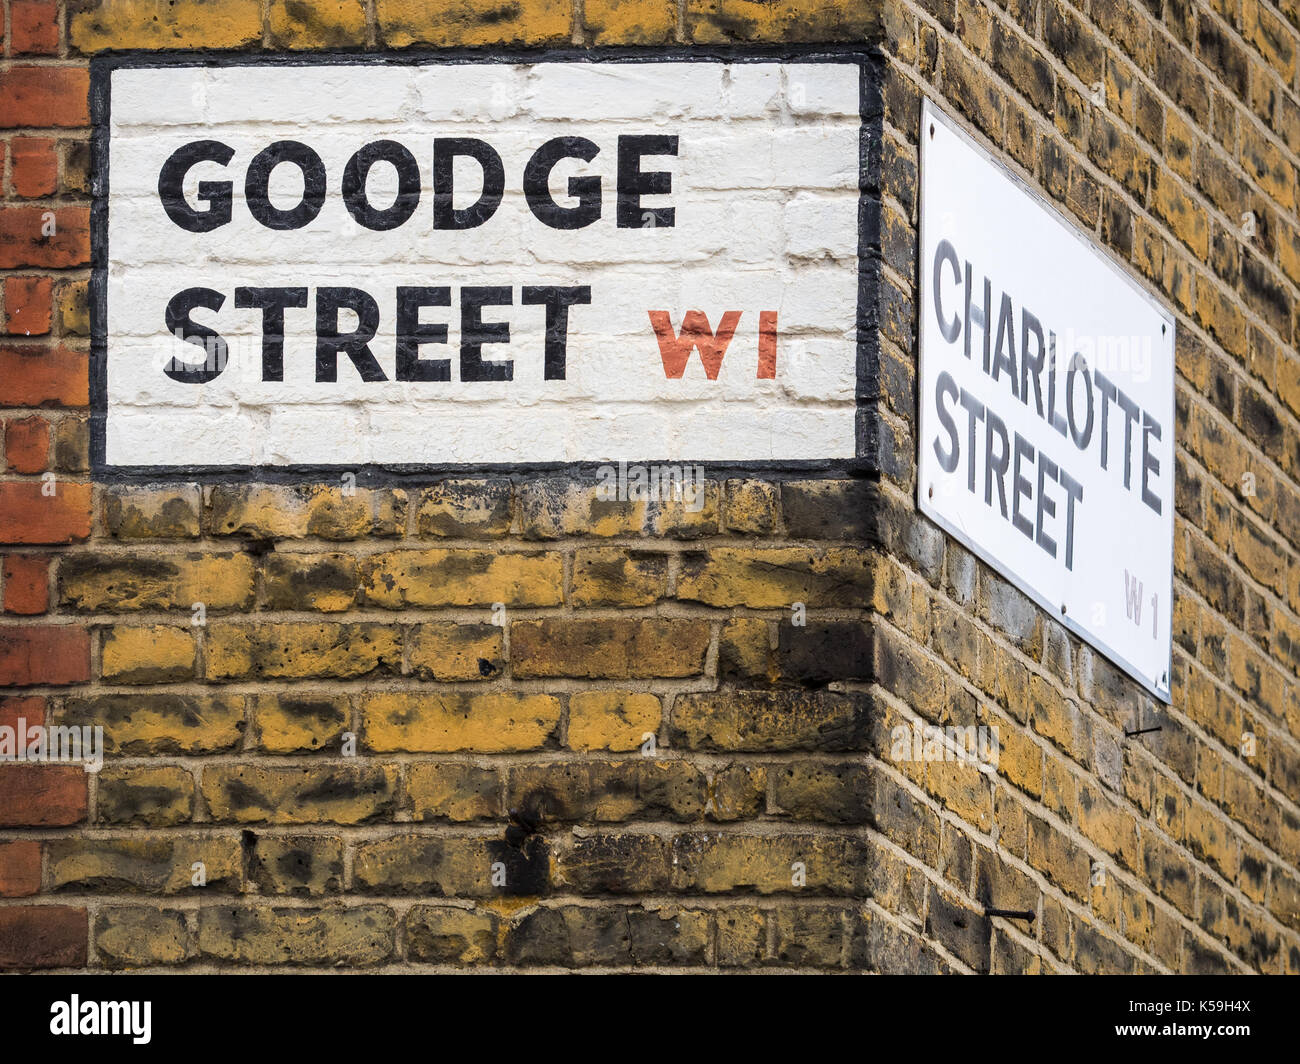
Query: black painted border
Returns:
{"type": "Point", "coordinates": [870, 67]}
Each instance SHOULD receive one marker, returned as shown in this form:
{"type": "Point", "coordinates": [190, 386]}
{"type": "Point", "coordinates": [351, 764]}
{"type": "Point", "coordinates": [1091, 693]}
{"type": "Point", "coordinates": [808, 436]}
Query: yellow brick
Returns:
{"type": "Point", "coordinates": [1187, 220]}
{"type": "Point", "coordinates": [288, 651]}
{"type": "Point", "coordinates": [317, 23]}
{"type": "Point", "coordinates": [447, 651]}
{"type": "Point", "coordinates": [611, 576]}
{"type": "Point", "coordinates": [462, 578]}
{"type": "Point", "coordinates": [148, 655]}
{"type": "Point", "coordinates": [778, 578]}
{"type": "Point", "coordinates": [449, 722]}
{"type": "Point", "coordinates": [294, 720]}
{"type": "Point", "coordinates": [157, 582]}
{"type": "Point", "coordinates": [264, 511]}
{"type": "Point", "coordinates": [781, 21]}
{"type": "Point", "coordinates": [751, 507]}
{"type": "Point", "coordinates": [448, 23]}
{"type": "Point", "coordinates": [631, 21]}
{"type": "Point", "coordinates": [612, 720]}
{"type": "Point", "coordinates": [104, 24]}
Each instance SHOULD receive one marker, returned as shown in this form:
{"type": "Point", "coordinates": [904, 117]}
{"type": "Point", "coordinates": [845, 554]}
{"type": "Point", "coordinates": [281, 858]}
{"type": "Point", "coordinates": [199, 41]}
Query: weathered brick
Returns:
{"type": "Point", "coordinates": [610, 576]}
{"type": "Point", "coordinates": [30, 514]}
{"type": "Point", "coordinates": [44, 654]}
{"type": "Point", "coordinates": [454, 792]}
{"type": "Point", "coordinates": [152, 512]}
{"type": "Point", "coordinates": [450, 722]}
{"type": "Point", "coordinates": [763, 721]}
{"type": "Point", "coordinates": [128, 582]}
{"type": "Point", "coordinates": [616, 721]}
{"type": "Point", "coordinates": [160, 723]}
{"type": "Point", "coordinates": [776, 578]}
{"type": "Point", "coordinates": [26, 584]}
{"type": "Point", "coordinates": [617, 649]}
{"type": "Point", "coordinates": [263, 511]}
{"type": "Point", "coordinates": [295, 651]}
{"type": "Point", "coordinates": [302, 865]}
{"type": "Point", "coordinates": [462, 578]}
{"type": "Point", "coordinates": [328, 24]}
{"type": "Point", "coordinates": [443, 934]}
{"type": "Point", "coordinates": [443, 650]}
{"type": "Point", "coordinates": [133, 936]}
{"type": "Point", "coordinates": [466, 509]}
{"type": "Point", "coordinates": [326, 582]}
{"type": "Point", "coordinates": [154, 796]}
{"type": "Point", "coordinates": [157, 654]}
{"type": "Point", "coordinates": [471, 23]}
{"type": "Point", "coordinates": [145, 865]}
{"type": "Point", "coordinates": [43, 936]}
{"type": "Point", "coordinates": [297, 721]}
{"type": "Point", "coordinates": [95, 25]}
{"type": "Point", "coordinates": [353, 935]}
{"type": "Point", "coordinates": [337, 794]}
{"type": "Point", "coordinates": [20, 868]}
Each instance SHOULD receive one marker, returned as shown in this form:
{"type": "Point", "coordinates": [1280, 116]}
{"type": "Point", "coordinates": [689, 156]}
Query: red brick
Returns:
{"type": "Point", "coordinates": [20, 868]}
{"type": "Point", "coordinates": [44, 96]}
{"type": "Point", "coordinates": [35, 166]}
{"type": "Point", "coordinates": [43, 936]}
{"type": "Point", "coordinates": [43, 654]}
{"type": "Point", "coordinates": [44, 377]}
{"type": "Point", "coordinates": [27, 584]}
{"type": "Point", "coordinates": [30, 708]}
{"type": "Point", "coordinates": [28, 305]}
{"type": "Point", "coordinates": [34, 27]}
{"type": "Point", "coordinates": [42, 236]}
{"type": "Point", "coordinates": [42, 796]}
{"type": "Point", "coordinates": [28, 516]}
{"type": "Point", "coordinates": [27, 444]}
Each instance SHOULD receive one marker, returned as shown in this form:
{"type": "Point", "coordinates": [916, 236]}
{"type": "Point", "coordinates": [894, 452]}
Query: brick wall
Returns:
{"type": "Point", "coordinates": [502, 806]}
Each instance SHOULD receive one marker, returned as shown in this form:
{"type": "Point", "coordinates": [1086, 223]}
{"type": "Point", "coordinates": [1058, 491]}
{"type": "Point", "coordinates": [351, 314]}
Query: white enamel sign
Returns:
{"type": "Point", "coordinates": [430, 264]}
{"type": "Point", "coordinates": [1046, 405]}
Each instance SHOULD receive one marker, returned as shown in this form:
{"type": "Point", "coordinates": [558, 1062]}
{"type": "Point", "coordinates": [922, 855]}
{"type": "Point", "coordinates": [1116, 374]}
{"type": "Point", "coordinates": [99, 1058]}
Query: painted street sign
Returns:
{"type": "Point", "coordinates": [432, 263]}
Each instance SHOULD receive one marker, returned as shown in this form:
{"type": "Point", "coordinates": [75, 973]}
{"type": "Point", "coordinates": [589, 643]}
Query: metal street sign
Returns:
{"type": "Point", "coordinates": [1046, 439]}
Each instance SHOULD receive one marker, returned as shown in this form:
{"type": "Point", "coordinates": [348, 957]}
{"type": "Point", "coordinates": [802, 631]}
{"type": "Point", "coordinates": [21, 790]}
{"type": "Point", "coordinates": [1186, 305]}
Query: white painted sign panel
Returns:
{"type": "Point", "coordinates": [477, 263]}
{"type": "Point", "coordinates": [1046, 405]}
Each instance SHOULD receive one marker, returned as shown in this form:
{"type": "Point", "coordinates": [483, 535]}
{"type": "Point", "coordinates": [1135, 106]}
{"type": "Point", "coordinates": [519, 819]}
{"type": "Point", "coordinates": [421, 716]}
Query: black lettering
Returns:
{"type": "Point", "coordinates": [354, 344]}
{"type": "Point", "coordinates": [945, 385]}
{"type": "Point", "coordinates": [272, 303]}
{"type": "Point", "coordinates": [585, 189]}
{"type": "Point", "coordinates": [411, 333]}
{"type": "Point", "coordinates": [475, 332]}
{"type": "Point", "coordinates": [1108, 392]}
{"type": "Point", "coordinates": [557, 301]}
{"type": "Point", "coordinates": [216, 194]}
{"type": "Point", "coordinates": [180, 325]}
{"type": "Point", "coordinates": [633, 182]}
{"type": "Point", "coordinates": [408, 185]}
{"type": "Point", "coordinates": [445, 151]}
{"type": "Point", "coordinates": [258, 180]}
